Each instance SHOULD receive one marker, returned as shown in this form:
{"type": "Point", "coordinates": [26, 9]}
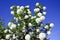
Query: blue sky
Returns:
{"type": "Point", "coordinates": [53, 12]}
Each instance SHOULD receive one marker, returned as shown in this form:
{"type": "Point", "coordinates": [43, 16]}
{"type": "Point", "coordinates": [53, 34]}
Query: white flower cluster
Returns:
{"type": "Point", "coordinates": [25, 26]}
{"type": "Point", "coordinates": [12, 25]}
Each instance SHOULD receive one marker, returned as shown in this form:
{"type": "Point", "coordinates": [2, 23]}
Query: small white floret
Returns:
{"type": "Point", "coordinates": [8, 36]}
{"type": "Point", "coordinates": [42, 36]}
{"type": "Point", "coordinates": [37, 4]}
{"type": "Point", "coordinates": [44, 8]}
{"type": "Point", "coordinates": [39, 14]}
{"type": "Point", "coordinates": [44, 13]}
{"type": "Point", "coordinates": [51, 25]}
{"type": "Point", "coordinates": [36, 10]}
{"type": "Point", "coordinates": [27, 37]}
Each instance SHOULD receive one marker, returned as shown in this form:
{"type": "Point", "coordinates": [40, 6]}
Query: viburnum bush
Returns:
{"type": "Point", "coordinates": [26, 26]}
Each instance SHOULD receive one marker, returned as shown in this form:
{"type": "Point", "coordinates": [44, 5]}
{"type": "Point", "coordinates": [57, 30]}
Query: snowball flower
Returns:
{"type": "Point", "coordinates": [51, 25]}
{"type": "Point", "coordinates": [38, 20]}
{"type": "Point", "coordinates": [6, 30]}
{"type": "Point", "coordinates": [39, 14]}
{"type": "Point", "coordinates": [9, 24]}
{"type": "Point", "coordinates": [37, 30]}
{"type": "Point", "coordinates": [29, 24]}
{"type": "Point", "coordinates": [29, 12]}
{"type": "Point", "coordinates": [44, 13]}
{"type": "Point", "coordinates": [26, 16]}
{"type": "Point", "coordinates": [42, 18]}
{"type": "Point", "coordinates": [46, 26]}
{"type": "Point", "coordinates": [42, 36]}
{"type": "Point", "coordinates": [12, 12]}
{"type": "Point", "coordinates": [18, 7]}
{"type": "Point", "coordinates": [27, 37]}
{"type": "Point", "coordinates": [27, 6]}
{"type": "Point", "coordinates": [8, 36]}
{"type": "Point", "coordinates": [22, 7]}
{"type": "Point", "coordinates": [37, 4]}
{"type": "Point", "coordinates": [14, 37]}
{"type": "Point", "coordinates": [44, 8]}
{"type": "Point", "coordinates": [19, 11]}
{"type": "Point", "coordinates": [13, 26]}
{"type": "Point", "coordinates": [18, 24]}
{"type": "Point", "coordinates": [32, 17]}
{"type": "Point", "coordinates": [36, 10]}
{"type": "Point", "coordinates": [11, 7]}
{"type": "Point", "coordinates": [49, 32]}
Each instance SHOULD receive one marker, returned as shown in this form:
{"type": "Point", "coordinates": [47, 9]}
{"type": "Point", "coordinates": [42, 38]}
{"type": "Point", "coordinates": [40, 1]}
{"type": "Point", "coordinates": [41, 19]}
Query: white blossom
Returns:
{"type": "Point", "coordinates": [46, 26]}
{"type": "Point", "coordinates": [38, 20]}
{"type": "Point", "coordinates": [13, 26]}
{"type": "Point", "coordinates": [32, 17]}
{"type": "Point", "coordinates": [36, 10]}
{"type": "Point", "coordinates": [42, 18]}
{"type": "Point", "coordinates": [37, 4]}
{"type": "Point", "coordinates": [18, 24]}
{"type": "Point", "coordinates": [6, 30]}
{"type": "Point", "coordinates": [29, 12]}
{"type": "Point", "coordinates": [29, 24]}
{"type": "Point", "coordinates": [27, 37]}
{"type": "Point", "coordinates": [11, 7]}
{"type": "Point", "coordinates": [14, 37]}
{"type": "Point", "coordinates": [27, 6]}
{"type": "Point", "coordinates": [42, 36]}
{"type": "Point", "coordinates": [26, 16]}
{"type": "Point", "coordinates": [18, 7]}
{"type": "Point", "coordinates": [19, 11]}
{"type": "Point", "coordinates": [44, 8]}
{"type": "Point", "coordinates": [37, 30]}
{"type": "Point", "coordinates": [12, 12]}
{"type": "Point", "coordinates": [39, 14]}
{"type": "Point", "coordinates": [9, 24]}
{"type": "Point", "coordinates": [49, 32]}
{"type": "Point", "coordinates": [8, 36]}
{"type": "Point", "coordinates": [51, 25]}
{"type": "Point", "coordinates": [44, 13]}
{"type": "Point", "coordinates": [22, 7]}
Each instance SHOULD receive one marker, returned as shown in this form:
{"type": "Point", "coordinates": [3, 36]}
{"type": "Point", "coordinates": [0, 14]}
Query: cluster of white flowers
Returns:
{"type": "Point", "coordinates": [36, 10]}
{"type": "Point", "coordinates": [42, 36]}
{"type": "Point", "coordinates": [8, 36]}
{"type": "Point", "coordinates": [12, 25]}
{"type": "Point", "coordinates": [25, 26]}
{"type": "Point", "coordinates": [38, 20]}
{"type": "Point", "coordinates": [27, 37]}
